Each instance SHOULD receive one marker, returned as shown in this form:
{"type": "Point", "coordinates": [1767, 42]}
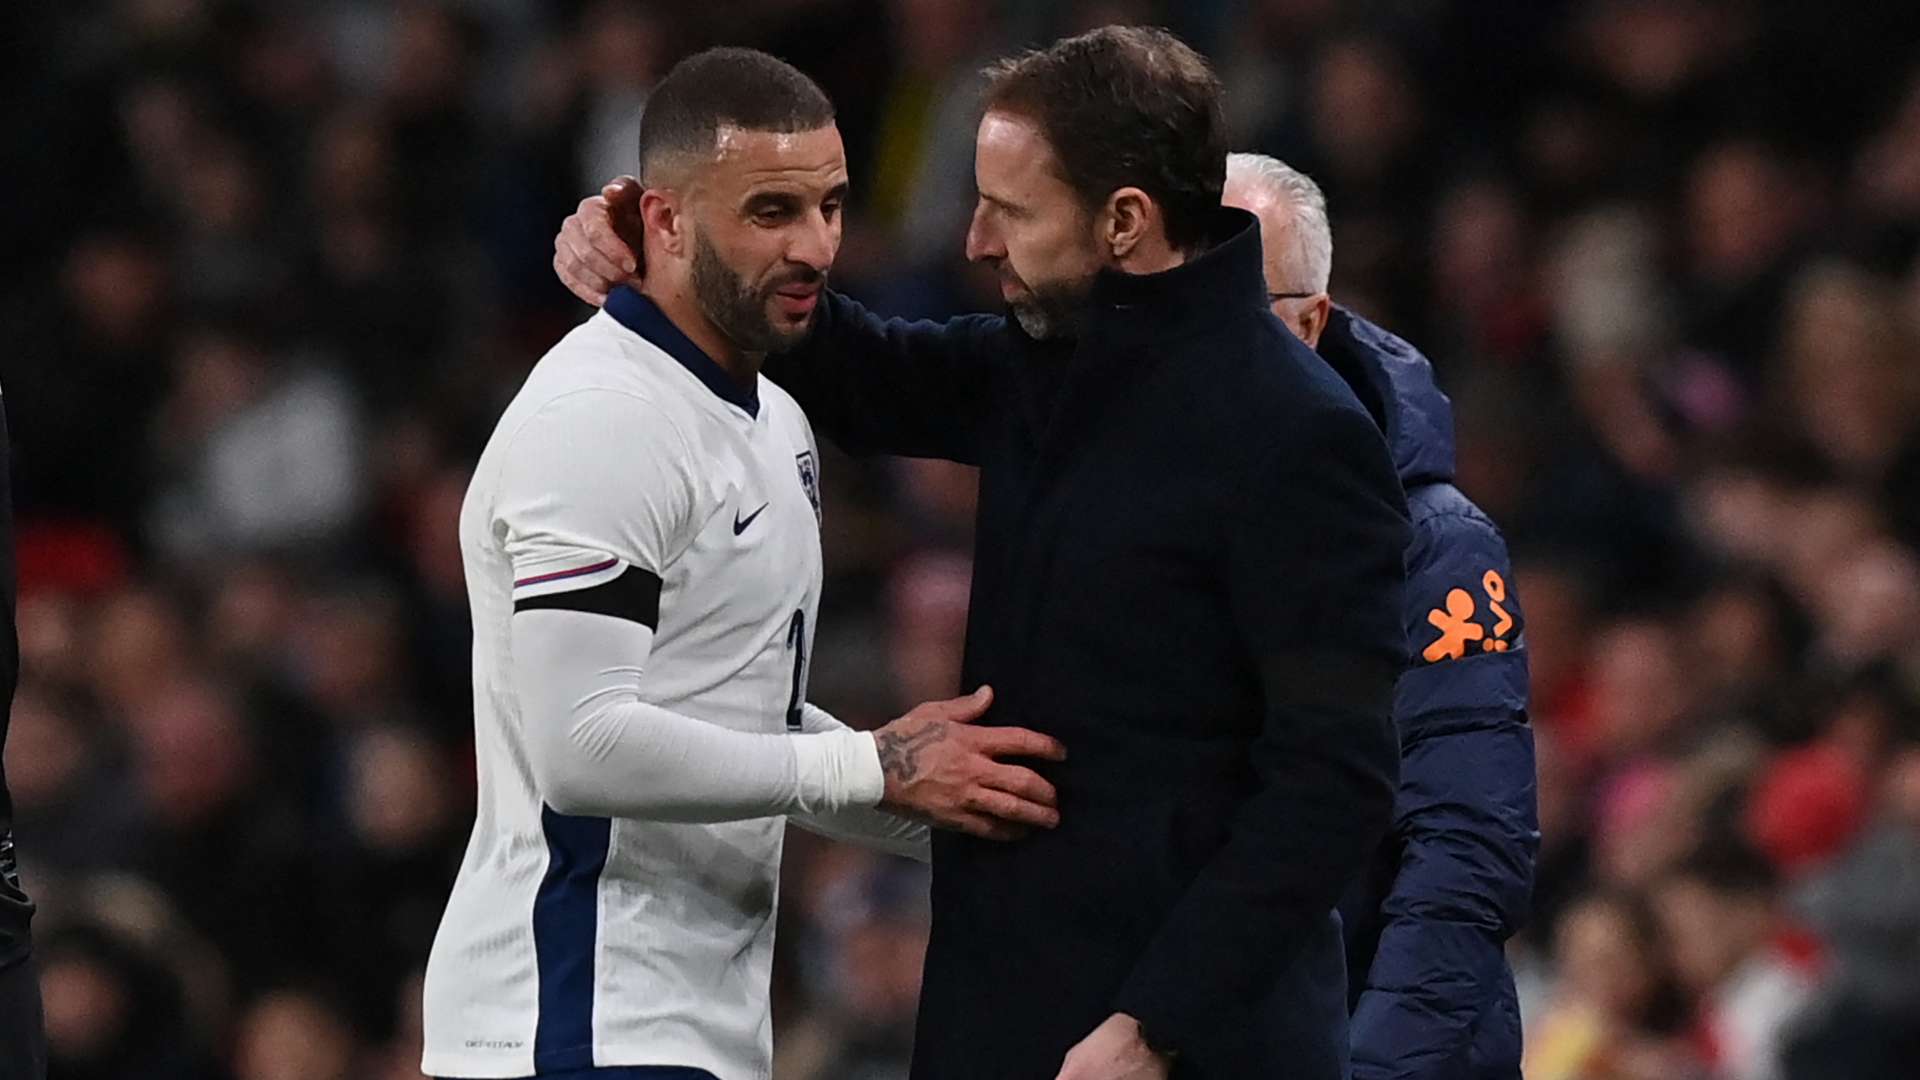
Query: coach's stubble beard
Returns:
{"type": "Point", "coordinates": [1052, 315]}
{"type": "Point", "coordinates": [1053, 310]}
{"type": "Point", "coordinates": [738, 310]}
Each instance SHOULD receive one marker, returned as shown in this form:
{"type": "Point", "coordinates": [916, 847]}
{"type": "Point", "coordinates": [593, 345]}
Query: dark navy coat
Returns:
{"type": "Point", "coordinates": [1189, 569]}
{"type": "Point", "coordinates": [1431, 993]}
{"type": "Point", "coordinates": [15, 909]}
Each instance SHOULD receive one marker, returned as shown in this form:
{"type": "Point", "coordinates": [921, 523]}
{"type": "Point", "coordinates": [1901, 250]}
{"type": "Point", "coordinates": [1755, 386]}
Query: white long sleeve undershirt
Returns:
{"type": "Point", "coordinates": [597, 749]}
{"type": "Point", "coordinates": [866, 826]}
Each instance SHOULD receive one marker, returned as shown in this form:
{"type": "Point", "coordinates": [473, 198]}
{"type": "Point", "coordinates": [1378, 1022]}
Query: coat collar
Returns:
{"type": "Point", "coordinates": [1224, 280]}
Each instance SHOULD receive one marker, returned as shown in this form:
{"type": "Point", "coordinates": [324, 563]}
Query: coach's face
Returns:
{"type": "Point", "coordinates": [766, 228]}
{"type": "Point", "coordinates": [1030, 226]}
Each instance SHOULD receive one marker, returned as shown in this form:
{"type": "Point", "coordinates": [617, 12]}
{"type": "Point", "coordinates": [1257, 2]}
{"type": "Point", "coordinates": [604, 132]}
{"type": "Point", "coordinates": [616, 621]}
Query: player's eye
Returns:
{"type": "Point", "coordinates": [772, 213]}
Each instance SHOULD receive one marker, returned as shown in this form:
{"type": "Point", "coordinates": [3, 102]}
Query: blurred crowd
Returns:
{"type": "Point", "coordinates": [273, 269]}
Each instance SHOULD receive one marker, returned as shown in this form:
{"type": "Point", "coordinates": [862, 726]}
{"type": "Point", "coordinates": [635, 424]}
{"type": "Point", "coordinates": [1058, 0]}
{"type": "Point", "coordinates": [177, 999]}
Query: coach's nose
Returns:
{"type": "Point", "coordinates": [983, 240]}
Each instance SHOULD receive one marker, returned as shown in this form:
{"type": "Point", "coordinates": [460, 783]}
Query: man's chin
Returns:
{"type": "Point", "coordinates": [1034, 320]}
{"type": "Point", "coordinates": [798, 322]}
{"type": "Point", "coordinates": [787, 332]}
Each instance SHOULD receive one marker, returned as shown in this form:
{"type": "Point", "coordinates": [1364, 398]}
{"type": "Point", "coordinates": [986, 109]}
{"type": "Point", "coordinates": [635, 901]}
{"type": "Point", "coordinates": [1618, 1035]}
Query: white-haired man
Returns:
{"type": "Point", "coordinates": [1428, 981]}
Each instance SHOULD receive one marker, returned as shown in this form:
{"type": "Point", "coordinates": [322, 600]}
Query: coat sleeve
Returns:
{"type": "Point", "coordinates": [1315, 566]}
{"type": "Point", "coordinates": [1465, 815]}
{"type": "Point", "coordinates": [894, 386]}
{"type": "Point", "coordinates": [15, 909]}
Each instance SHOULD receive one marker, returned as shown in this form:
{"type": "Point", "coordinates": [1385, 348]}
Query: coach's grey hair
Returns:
{"type": "Point", "coordinates": [1312, 232]}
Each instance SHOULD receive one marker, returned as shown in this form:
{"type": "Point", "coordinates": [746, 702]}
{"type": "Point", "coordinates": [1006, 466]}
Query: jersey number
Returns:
{"type": "Point", "coordinates": [797, 641]}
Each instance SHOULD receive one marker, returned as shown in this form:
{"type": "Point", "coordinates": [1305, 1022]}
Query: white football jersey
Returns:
{"type": "Point", "coordinates": [573, 943]}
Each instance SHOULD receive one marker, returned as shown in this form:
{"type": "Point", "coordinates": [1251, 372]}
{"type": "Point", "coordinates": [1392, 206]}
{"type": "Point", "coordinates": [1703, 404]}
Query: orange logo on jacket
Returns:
{"type": "Point", "coordinates": [1458, 630]}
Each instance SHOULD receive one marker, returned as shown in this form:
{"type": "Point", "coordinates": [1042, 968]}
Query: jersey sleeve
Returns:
{"type": "Point", "coordinates": [597, 747]}
{"type": "Point", "coordinates": [597, 496]}
{"type": "Point", "coordinates": [861, 823]}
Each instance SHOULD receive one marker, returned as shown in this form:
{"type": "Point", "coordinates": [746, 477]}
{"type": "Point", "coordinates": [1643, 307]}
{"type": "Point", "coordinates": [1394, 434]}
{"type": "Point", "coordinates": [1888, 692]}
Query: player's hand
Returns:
{"type": "Point", "coordinates": [1115, 1051]}
{"type": "Point", "coordinates": [592, 252]}
{"type": "Point", "coordinates": [944, 771]}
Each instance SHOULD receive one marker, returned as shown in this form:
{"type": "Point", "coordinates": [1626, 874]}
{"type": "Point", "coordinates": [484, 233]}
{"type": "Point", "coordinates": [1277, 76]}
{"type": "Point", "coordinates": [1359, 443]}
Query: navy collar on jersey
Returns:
{"type": "Point", "coordinates": [644, 317]}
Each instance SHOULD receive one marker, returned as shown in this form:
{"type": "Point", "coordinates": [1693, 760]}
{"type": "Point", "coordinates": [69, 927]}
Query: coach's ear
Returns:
{"type": "Point", "coordinates": [1124, 221]}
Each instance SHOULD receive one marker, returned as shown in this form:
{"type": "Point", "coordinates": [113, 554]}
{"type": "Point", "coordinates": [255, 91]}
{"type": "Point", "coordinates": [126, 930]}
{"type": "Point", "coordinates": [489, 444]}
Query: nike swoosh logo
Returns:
{"type": "Point", "coordinates": [740, 525]}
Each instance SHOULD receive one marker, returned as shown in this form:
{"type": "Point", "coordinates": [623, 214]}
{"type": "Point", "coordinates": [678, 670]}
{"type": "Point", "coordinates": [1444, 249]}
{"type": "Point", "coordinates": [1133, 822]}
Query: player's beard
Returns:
{"type": "Point", "coordinates": [739, 310]}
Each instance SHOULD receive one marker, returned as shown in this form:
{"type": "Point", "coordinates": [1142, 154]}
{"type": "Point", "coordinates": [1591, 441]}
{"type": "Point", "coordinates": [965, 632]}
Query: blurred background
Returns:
{"type": "Point", "coordinates": [272, 270]}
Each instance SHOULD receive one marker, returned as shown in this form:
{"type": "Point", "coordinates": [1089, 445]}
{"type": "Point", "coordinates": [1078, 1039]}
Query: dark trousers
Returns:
{"type": "Point", "coordinates": [23, 1042]}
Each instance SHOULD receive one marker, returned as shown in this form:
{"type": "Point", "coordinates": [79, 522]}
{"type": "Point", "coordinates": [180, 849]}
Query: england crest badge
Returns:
{"type": "Point", "coordinates": [809, 480]}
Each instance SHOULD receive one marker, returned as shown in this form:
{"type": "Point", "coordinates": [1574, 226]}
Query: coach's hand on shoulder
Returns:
{"type": "Point", "coordinates": [1115, 1051]}
{"type": "Point", "coordinates": [947, 772]}
{"type": "Point", "coordinates": [598, 246]}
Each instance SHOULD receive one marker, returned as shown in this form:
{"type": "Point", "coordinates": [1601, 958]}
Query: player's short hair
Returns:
{"type": "Point", "coordinates": [1312, 233]}
{"type": "Point", "coordinates": [721, 88]}
{"type": "Point", "coordinates": [1126, 106]}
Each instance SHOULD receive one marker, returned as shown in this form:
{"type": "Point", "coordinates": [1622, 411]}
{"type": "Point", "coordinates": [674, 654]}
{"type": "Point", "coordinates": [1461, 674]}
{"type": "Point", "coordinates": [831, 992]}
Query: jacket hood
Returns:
{"type": "Point", "coordinates": [1396, 384]}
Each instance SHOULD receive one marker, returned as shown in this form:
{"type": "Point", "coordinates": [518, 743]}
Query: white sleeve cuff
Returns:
{"type": "Point", "coordinates": [838, 769]}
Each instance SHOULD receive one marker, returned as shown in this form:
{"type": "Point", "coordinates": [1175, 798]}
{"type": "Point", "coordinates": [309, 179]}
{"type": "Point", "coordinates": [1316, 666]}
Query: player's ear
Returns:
{"type": "Point", "coordinates": [661, 215]}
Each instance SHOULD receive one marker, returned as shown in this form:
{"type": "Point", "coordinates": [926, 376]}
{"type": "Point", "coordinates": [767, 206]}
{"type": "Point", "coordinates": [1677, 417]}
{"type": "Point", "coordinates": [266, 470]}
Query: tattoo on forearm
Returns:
{"type": "Point", "coordinates": [900, 751]}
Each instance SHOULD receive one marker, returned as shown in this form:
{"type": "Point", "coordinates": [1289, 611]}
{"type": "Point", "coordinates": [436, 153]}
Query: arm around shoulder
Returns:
{"type": "Point", "coordinates": [898, 386]}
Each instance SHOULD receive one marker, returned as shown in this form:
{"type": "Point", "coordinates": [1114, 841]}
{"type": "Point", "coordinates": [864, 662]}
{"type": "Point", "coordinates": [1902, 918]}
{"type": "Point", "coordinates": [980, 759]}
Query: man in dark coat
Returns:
{"type": "Point", "coordinates": [23, 1053]}
{"type": "Point", "coordinates": [1427, 925]}
{"type": "Point", "coordinates": [1432, 995]}
{"type": "Point", "coordinates": [1188, 569]}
